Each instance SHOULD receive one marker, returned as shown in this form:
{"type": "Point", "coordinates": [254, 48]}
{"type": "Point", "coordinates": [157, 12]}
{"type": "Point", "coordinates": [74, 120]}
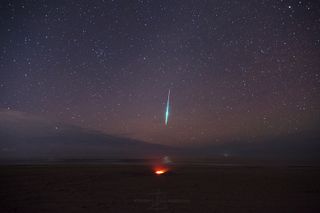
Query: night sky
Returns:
{"type": "Point", "coordinates": [237, 70]}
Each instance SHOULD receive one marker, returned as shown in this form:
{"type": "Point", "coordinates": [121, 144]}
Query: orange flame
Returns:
{"type": "Point", "coordinates": [160, 171]}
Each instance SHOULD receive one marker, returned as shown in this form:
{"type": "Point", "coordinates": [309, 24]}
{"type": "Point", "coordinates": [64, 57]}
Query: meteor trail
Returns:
{"type": "Point", "coordinates": [167, 108]}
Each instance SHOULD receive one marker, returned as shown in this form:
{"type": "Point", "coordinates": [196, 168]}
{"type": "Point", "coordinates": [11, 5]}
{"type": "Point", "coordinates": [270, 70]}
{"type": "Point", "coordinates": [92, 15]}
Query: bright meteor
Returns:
{"type": "Point", "coordinates": [167, 108]}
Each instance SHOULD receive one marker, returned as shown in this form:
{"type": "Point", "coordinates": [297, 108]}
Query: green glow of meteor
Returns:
{"type": "Point", "coordinates": [167, 109]}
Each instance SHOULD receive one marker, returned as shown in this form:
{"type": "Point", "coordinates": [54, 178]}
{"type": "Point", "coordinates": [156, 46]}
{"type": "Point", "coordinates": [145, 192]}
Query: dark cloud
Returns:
{"type": "Point", "coordinates": [24, 136]}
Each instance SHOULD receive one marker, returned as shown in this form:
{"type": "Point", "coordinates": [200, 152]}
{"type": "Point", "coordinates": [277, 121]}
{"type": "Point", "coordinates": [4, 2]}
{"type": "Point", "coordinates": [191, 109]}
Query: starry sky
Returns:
{"type": "Point", "coordinates": [237, 70]}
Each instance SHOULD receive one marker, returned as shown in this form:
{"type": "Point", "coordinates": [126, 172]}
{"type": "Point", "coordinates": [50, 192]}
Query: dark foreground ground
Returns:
{"type": "Point", "coordinates": [132, 188]}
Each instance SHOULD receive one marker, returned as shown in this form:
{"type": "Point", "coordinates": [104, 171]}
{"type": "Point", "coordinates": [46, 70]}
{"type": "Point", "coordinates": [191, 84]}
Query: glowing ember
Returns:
{"type": "Point", "coordinates": [160, 171]}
